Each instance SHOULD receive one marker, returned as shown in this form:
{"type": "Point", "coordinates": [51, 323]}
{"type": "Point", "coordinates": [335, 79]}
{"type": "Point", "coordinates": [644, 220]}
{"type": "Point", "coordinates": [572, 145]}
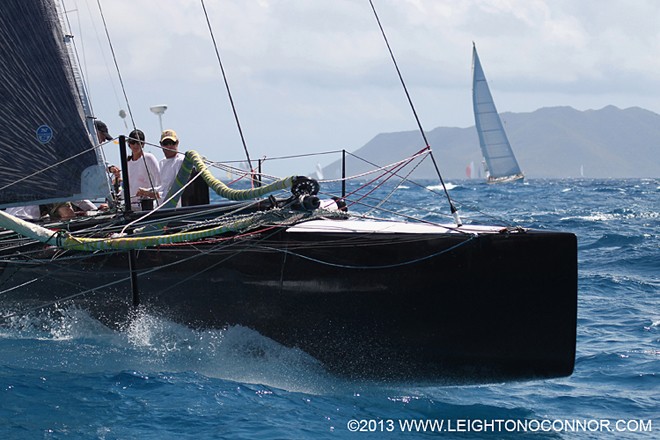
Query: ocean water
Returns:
{"type": "Point", "coordinates": [63, 375]}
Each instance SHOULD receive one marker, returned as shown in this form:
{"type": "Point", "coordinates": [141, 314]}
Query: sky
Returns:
{"type": "Point", "coordinates": [314, 76]}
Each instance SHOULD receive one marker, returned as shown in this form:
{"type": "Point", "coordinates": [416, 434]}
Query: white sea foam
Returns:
{"type": "Point", "coordinates": [69, 339]}
{"type": "Point", "coordinates": [235, 353]}
{"type": "Point", "coordinates": [54, 324]}
{"type": "Point", "coordinates": [594, 217]}
{"type": "Point", "coordinates": [448, 185]}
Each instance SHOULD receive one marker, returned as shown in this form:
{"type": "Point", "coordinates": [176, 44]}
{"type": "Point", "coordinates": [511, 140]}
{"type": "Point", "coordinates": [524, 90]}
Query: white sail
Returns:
{"type": "Point", "coordinates": [501, 163]}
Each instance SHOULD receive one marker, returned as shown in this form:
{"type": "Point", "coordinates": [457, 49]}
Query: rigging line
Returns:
{"type": "Point", "coordinates": [66, 298]}
{"type": "Point", "coordinates": [224, 76]}
{"type": "Point", "coordinates": [392, 172]}
{"type": "Point", "coordinates": [222, 260]}
{"type": "Point", "coordinates": [143, 273]}
{"type": "Point", "coordinates": [219, 245]}
{"type": "Point", "coordinates": [403, 179]}
{"type": "Point", "coordinates": [391, 203]}
{"type": "Point", "coordinates": [160, 204]}
{"type": "Point", "coordinates": [361, 196]}
{"type": "Point", "coordinates": [222, 211]}
{"type": "Point", "coordinates": [49, 167]}
{"type": "Point", "coordinates": [225, 167]}
{"type": "Point", "coordinates": [20, 285]}
{"type": "Point", "coordinates": [240, 172]}
{"type": "Point", "coordinates": [419, 185]}
{"type": "Point", "coordinates": [361, 201]}
{"type": "Point", "coordinates": [180, 217]}
{"type": "Point", "coordinates": [93, 23]}
{"type": "Point", "coordinates": [243, 176]}
{"type": "Point", "coordinates": [384, 266]}
{"type": "Point", "coordinates": [94, 289]}
{"type": "Point", "coordinates": [296, 156]}
{"type": "Point", "coordinates": [83, 83]}
{"type": "Point", "coordinates": [399, 214]}
{"type": "Point", "coordinates": [114, 58]}
{"type": "Point", "coordinates": [426, 188]}
{"type": "Point", "coordinates": [229, 212]}
{"type": "Point", "coordinates": [378, 169]}
{"type": "Point", "coordinates": [11, 244]}
{"type": "Point", "coordinates": [419, 124]}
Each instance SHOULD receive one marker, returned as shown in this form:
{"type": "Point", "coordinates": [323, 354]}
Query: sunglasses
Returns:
{"type": "Point", "coordinates": [168, 143]}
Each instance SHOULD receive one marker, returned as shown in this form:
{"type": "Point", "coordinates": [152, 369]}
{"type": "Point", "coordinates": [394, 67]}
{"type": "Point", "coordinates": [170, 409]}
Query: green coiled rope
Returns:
{"type": "Point", "coordinates": [193, 159]}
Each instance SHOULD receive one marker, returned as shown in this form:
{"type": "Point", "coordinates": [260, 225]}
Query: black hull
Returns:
{"type": "Point", "coordinates": [440, 308]}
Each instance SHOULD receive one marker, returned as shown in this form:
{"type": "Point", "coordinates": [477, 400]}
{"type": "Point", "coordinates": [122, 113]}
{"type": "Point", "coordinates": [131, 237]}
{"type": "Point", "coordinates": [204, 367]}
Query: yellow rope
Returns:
{"type": "Point", "coordinates": [127, 243]}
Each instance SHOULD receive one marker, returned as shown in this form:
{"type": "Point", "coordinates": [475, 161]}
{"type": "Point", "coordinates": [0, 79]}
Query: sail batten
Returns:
{"type": "Point", "coordinates": [501, 163]}
{"type": "Point", "coordinates": [47, 153]}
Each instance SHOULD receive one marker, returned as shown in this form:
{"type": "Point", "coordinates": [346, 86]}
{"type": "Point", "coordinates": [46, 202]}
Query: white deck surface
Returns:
{"type": "Point", "coordinates": [389, 227]}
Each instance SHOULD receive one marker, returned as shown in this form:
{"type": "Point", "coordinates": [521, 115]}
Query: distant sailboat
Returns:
{"type": "Point", "coordinates": [319, 172]}
{"type": "Point", "coordinates": [501, 164]}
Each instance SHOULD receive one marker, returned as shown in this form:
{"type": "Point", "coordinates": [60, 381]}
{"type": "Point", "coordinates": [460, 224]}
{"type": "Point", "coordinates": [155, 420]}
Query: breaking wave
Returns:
{"type": "Point", "coordinates": [69, 339]}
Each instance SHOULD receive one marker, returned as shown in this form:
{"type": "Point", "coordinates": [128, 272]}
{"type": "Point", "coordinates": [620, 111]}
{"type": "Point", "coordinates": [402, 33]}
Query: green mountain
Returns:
{"type": "Point", "coordinates": [553, 142]}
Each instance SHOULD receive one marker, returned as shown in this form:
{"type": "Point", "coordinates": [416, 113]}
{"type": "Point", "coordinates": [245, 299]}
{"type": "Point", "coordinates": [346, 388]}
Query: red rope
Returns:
{"type": "Point", "coordinates": [391, 173]}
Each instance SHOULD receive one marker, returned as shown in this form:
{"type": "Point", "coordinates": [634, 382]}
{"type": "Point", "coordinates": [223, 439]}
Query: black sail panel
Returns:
{"type": "Point", "coordinates": [45, 149]}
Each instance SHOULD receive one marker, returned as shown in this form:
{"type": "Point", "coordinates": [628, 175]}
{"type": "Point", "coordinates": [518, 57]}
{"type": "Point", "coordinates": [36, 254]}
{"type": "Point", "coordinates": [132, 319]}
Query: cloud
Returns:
{"type": "Point", "coordinates": [299, 68]}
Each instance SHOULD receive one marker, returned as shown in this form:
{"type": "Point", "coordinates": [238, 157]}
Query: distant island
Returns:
{"type": "Point", "coordinates": [551, 142]}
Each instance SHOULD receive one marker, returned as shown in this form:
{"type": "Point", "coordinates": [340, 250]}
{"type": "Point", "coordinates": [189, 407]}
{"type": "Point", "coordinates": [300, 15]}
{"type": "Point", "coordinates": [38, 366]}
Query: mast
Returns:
{"type": "Point", "coordinates": [452, 208]}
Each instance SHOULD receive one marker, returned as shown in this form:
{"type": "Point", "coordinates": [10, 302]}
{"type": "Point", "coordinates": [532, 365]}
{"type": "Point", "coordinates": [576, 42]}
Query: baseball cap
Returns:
{"type": "Point", "coordinates": [103, 129]}
{"type": "Point", "coordinates": [169, 134]}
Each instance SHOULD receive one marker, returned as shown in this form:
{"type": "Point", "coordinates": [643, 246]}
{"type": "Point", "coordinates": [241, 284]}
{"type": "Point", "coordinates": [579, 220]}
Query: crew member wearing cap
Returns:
{"type": "Point", "coordinates": [143, 169]}
{"type": "Point", "coordinates": [170, 165]}
{"type": "Point", "coordinates": [102, 131]}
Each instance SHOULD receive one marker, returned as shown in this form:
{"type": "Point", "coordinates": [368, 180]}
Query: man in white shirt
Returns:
{"type": "Point", "coordinates": [31, 212]}
{"type": "Point", "coordinates": [143, 170]}
{"type": "Point", "coordinates": [170, 165]}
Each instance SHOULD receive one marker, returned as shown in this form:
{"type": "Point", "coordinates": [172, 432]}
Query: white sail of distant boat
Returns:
{"type": "Point", "coordinates": [501, 163]}
{"type": "Point", "coordinates": [319, 171]}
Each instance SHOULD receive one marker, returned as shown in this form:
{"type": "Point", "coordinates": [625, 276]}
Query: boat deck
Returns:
{"type": "Point", "coordinates": [390, 227]}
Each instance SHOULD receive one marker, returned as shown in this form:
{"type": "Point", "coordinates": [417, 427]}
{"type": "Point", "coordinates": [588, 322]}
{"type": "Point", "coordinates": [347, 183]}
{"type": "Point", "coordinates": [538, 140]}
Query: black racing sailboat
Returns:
{"type": "Point", "coordinates": [360, 295]}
